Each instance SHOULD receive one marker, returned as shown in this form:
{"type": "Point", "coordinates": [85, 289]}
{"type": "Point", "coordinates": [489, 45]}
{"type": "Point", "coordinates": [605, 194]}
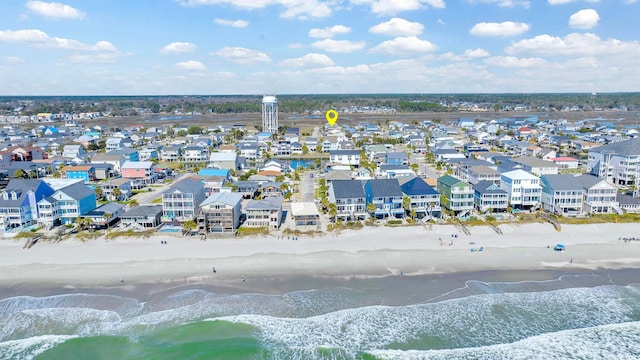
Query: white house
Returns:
{"type": "Point", "coordinates": [345, 157]}
{"type": "Point", "coordinates": [523, 188]}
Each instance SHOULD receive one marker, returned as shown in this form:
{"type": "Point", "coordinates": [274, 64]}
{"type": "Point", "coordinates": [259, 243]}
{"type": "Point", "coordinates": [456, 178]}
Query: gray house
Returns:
{"type": "Point", "coordinates": [220, 214]}
{"type": "Point", "coordinates": [487, 196]}
{"type": "Point", "coordinates": [142, 217]}
{"type": "Point", "coordinates": [350, 199]}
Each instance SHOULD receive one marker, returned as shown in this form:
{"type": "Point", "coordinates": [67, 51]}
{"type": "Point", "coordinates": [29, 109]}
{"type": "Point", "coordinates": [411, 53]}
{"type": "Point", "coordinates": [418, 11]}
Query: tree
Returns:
{"type": "Point", "coordinates": [188, 226]}
{"type": "Point", "coordinates": [406, 204]}
{"type": "Point", "coordinates": [305, 149]}
{"type": "Point", "coordinates": [20, 174]}
{"type": "Point", "coordinates": [333, 211]}
{"type": "Point", "coordinates": [371, 208]}
{"type": "Point", "coordinates": [107, 218]}
{"type": "Point", "coordinates": [99, 193]}
{"type": "Point", "coordinates": [116, 193]}
{"type": "Point", "coordinates": [133, 203]}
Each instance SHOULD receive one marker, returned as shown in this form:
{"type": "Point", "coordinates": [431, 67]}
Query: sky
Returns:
{"type": "Point", "coordinates": [220, 47]}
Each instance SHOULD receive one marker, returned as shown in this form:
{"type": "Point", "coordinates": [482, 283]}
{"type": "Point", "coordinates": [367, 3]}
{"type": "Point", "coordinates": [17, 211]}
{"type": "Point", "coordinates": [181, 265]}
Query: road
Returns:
{"type": "Point", "coordinates": [146, 198]}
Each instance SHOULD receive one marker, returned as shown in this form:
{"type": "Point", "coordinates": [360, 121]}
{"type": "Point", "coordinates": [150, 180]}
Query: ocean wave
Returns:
{"type": "Point", "coordinates": [612, 341]}
{"type": "Point", "coordinates": [475, 321]}
{"type": "Point", "coordinates": [31, 347]}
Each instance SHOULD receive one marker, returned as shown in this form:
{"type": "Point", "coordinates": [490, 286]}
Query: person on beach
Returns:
{"type": "Point", "coordinates": [214, 269]}
{"type": "Point", "coordinates": [242, 278]}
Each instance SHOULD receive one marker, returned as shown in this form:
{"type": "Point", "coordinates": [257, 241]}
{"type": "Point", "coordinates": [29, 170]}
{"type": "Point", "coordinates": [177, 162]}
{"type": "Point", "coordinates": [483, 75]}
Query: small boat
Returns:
{"type": "Point", "coordinates": [559, 247]}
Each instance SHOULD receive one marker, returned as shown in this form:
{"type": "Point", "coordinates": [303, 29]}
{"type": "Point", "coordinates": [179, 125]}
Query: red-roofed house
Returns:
{"type": "Point", "coordinates": [566, 162]}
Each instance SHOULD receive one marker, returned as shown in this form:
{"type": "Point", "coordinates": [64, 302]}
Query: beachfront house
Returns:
{"type": "Point", "coordinates": [142, 217]}
{"type": "Point", "coordinates": [561, 195]}
{"type": "Point", "coordinates": [220, 214]}
{"type": "Point", "coordinates": [182, 201]}
{"type": "Point", "coordinates": [18, 203]}
{"type": "Point", "coordinates": [350, 199]}
{"type": "Point", "coordinates": [487, 196]}
{"type": "Point", "coordinates": [618, 162]}
{"type": "Point", "coordinates": [523, 188]}
{"type": "Point", "coordinates": [266, 213]}
{"type": "Point", "coordinates": [106, 215]}
{"type": "Point", "coordinates": [600, 195]}
{"type": "Point", "coordinates": [67, 204]}
{"type": "Point", "coordinates": [456, 195]}
{"type": "Point", "coordinates": [305, 215]}
{"type": "Point", "coordinates": [425, 200]}
{"type": "Point", "coordinates": [386, 196]}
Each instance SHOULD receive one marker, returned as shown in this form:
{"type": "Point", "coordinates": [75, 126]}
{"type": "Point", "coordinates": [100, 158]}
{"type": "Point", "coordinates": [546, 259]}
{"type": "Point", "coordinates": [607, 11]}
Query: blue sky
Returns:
{"type": "Point", "coordinates": [158, 47]}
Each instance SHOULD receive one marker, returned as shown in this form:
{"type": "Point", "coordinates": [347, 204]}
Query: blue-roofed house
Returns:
{"type": "Point", "coordinates": [397, 158]}
{"type": "Point", "coordinates": [425, 200]}
{"type": "Point", "coordinates": [214, 172]}
{"type": "Point", "coordinates": [487, 196]}
{"type": "Point", "coordinates": [87, 173]}
{"type": "Point", "coordinates": [386, 196]}
{"type": "Point", "coordinates": [67, 204]}
{"type": "Point", "coordinates": [18, 203]}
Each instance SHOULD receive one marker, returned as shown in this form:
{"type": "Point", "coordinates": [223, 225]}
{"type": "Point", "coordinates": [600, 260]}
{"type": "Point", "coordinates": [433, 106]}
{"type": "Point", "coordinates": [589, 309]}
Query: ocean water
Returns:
{"type": "Point", "coordinates": [577, 316]}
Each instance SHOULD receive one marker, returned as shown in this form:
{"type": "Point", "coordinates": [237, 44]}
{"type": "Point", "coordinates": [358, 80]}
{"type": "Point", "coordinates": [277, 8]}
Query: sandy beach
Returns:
{"type": "Point", "coordinates": [370, 252]}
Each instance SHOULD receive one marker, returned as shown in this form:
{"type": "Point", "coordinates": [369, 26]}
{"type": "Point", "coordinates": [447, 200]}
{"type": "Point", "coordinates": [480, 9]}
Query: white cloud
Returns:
{"type": "Point", "coordinates": [54, 10]}
{"type": "Point", "coordinates": [309, 60]}
{"type": "Point", "coordinates": [14, 60]}
{"type": "Point", "coordinates": [191, 65]}
{"type": "Point", "coordinates": [628, 2]}
{"type": "Point", "coordinates": [39, 38]}
{"type": "Point", "coordinates": [178, 48]}
{"type": "Point", "coordinates": [329, 32]}
{"type": "Point", "coordinates": [575, 44]}
{"type": "Point", "coordinates": [292, 8]}
{"type": "Point", "coordinates": [476, 53]}
{"type": "Point", "coordinates": [392, 7]}
{"type": "Point", "coordinates": [241, 55]}
{"type": "Point", "coordinates": [507, 28]}
{"type": "Point", "coordinates": [584, 19]}
{"type": "Point", "coordinates": [99, 58]}
{"type": "Point", "coordinates": [504, 3]}
{"type": "Point", "coordinates": [339, 46]}
{"type": "Point", "coordinates": [404, 45]}
{"type": "Point", "coordinates": [514, 62]}
{"type": "Point", "coordinates": [232, 23]}
{"type": "Point", "coordinates": [398, 27]}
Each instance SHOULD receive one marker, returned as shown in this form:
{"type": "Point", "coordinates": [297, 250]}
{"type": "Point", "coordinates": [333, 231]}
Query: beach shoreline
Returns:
{"type": "Point", "coordinates": [375, 252]}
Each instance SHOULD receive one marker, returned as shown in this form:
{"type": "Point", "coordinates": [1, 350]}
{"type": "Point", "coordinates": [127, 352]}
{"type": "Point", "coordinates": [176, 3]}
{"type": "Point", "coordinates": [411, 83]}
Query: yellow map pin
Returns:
{"type": "Point", "coordinates": [332, 117]}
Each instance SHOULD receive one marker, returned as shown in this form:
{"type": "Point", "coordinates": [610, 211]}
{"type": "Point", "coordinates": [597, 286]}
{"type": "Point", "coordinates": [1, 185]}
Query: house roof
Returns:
{"type": "Point", "coordinates": [186, 186]}
{"type": "Point", "coordinates": [77, 191]}
{"type": "Point", "coordinates": [560, 182]}
{"type": "Point", "coordinates": [417, 186]}
{"type": "Point", "coordinates": [347, 189]}
{"type": "Point", "coordinates": [304, 209]}
{"type": "Point", "coordinates": [108, 208]}
{"type": "Point", "coordinates": [22, 187]}
{"type": "Point", "coordinates": [344, 152]}
{"type": "Point", "coordinates": [143, 211]}
{"type": "Point", "coordinates": [487, 187]}
{"type": "Point", "coordinates": [137, 165]}
{"type": "Point", "coordinates": [533, 162]}
{"type": "Point", "coordinates": [270, 203]}
{"type": "Point", "coordinates": [227, 198]}
{"type": "Point", "coordinates": [78, 168]}
{"type": "Point", "coordinates": [588, 181]}
{"type": "Point", "coordinates": [449, 180]}
{"type": "Point", "coordinates": [624, 199]}
{"type": "Point", "coordinates": [519, 174]}
{"type": "Point", "coordinates": [385, 187]}
{"type": "Point", "coordinates": [626, 147]}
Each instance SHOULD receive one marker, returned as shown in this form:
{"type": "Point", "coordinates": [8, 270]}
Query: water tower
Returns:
{"type": "Point", "coordinates": [270, 114]}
